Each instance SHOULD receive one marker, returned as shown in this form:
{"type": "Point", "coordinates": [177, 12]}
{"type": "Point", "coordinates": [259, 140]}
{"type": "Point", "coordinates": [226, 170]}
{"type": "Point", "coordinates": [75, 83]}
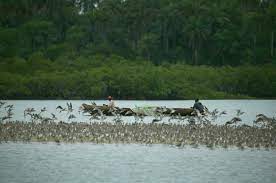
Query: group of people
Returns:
{"type": "Point", "coordinates": [197, 105]}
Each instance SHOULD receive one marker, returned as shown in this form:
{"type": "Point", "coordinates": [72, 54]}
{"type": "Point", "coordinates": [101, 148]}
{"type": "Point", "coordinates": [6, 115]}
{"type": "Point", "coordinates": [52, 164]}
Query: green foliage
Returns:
{"type": "Point", "coordinates": [98, 76]}
{"type": "Point", "coordinates": [229, 32]}
{"type": "Point", "coordinates": [154, 49]}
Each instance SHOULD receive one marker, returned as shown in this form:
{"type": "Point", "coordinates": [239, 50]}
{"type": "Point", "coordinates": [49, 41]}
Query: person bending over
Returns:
{"type": "Point", "coordinates": [198, 105]}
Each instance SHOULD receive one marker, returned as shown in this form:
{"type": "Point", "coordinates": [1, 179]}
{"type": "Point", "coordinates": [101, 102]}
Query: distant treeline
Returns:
{"type": "Point", "coordinates": [97, 77]}
{"type": "Point", "coordinates": [137, 49]}
{"type": "Point", "coordinates": [208, 32]}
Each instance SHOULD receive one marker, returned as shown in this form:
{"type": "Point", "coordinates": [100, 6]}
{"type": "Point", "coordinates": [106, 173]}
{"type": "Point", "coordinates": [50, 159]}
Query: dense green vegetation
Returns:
{"type": "Point", "coordinates": [137, 49]}
{"type": "Point", "coordinates": [98, 76]}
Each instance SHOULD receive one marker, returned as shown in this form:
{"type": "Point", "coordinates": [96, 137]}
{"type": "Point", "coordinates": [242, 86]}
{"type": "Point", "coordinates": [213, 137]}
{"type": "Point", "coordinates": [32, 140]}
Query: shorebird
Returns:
{"type": "Point", "coordinates": [28, 111]}
{"type": "Point", "coordinates": [46, 120]}
{"type": "Point", "coordinates": [43, 109]}
{"type": "Point", "coordinates": [157, 118]}
{"type": "Point", "coordinates": [2, 103]}
{"type": "Point", "coordinates": [35, 116]}
{"type": "Point", "coordinates": [94, 116]}
{"type": "Point", "coordinates": [61, 108]}
{"type": "Point", "coordinates": [53, 116]}
{"type": "Point", "coordinates": [5, 118]}
{"type": "Point", "coordinates": [222, 113]}
{"type": "Point", "coordinates": [233, 121]}
{"type": "Point", "coordinates": [239, 112]}
{"type": "Point", "coordinates": [69, 107]}
{"type": "Point", "coordinates": [71, 116]}
{"type": "Point", "coordinates": [139, 116]}
{"type": "Point", "coordinates": [191, 120]}
{"type": "Point", "coordinates": [8, 106]}
{"type": "Point", "coordinates": [267, 121]}
{"type": "Point", "coordinates": [214, 112]}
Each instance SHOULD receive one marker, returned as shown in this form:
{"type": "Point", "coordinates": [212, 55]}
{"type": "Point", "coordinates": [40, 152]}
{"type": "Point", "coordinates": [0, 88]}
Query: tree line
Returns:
{"type": "Point", "coordinates": [98, 76]}
{"type": "Point", "coordinates": [197, 32]}
{"type": "Point", "coordinates": [146, 49]}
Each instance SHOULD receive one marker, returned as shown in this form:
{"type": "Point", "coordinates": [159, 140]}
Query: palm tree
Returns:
{"type": "Point", "coordinates": [197, 31]}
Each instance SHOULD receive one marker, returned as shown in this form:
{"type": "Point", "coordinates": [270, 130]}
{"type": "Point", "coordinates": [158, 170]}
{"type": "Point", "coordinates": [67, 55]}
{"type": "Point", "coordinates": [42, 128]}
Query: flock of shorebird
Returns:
{"type": "Point", "coordinates": [199, 129]}
{"type": "Point", "coordinates": [207, 118]}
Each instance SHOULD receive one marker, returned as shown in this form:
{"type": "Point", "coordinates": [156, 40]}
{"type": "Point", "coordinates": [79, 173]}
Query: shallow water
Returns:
{"type": "Point", "coordinates": [86, 162]}
{"type": "Point", "coordinates": [250, 107]}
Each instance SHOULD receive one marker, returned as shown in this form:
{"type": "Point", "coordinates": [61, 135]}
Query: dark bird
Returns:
{"type": "Point", "coordinates": [95, 117]}
{"type": "Point", "coordinates": [9, 106]}
{"type": "Point", "coordinates": [214, 112]}
{"type": "Point", "coordinates": [5, 117]}
{"type": "Point", "coordinates": [156, 120]}
{"type": "Point", "coordinates": [267, 121]}
{"type": "Point", "coordinates": [46, 120]}
{"type": "Point", "coordinates": [2, 103]}
{"type": "Point", "coordinates": [72, 116]}
{"type": "Point", "coordinates": [191, 121]}
{"type": "Point", "coordinates": [261, 116]}
{"type": "Point", "coordinates": [239, 112]}
{"type": "Point", "coordinates": [223, 113]}
{"type": "Point", "coordinates": [53, 116]}
{"type": "Point", "coordinates": [30, 110]}
{"type": "Point", "coordinates": [69, 106]}
{"type": "Point", "coordinates": [233, 121]}
{"type": "Point", "coordinates": [59, 107]}
{"type": "Point", "coordinates": [43, 109]}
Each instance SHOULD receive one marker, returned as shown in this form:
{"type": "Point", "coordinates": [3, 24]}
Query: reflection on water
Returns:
{"type": "Point", "coordinates": [250, 107]}
{"type": "Point", "coordinates": [86, 162]}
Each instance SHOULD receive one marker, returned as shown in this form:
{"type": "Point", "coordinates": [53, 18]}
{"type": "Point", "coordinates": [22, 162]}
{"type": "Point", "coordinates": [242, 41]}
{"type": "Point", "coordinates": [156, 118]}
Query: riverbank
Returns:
{"type": "Point", "coordinates": [173, 134]}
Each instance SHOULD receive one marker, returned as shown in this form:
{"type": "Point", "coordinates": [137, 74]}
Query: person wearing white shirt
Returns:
{"type": "Point", "coordinates": [111, 103]}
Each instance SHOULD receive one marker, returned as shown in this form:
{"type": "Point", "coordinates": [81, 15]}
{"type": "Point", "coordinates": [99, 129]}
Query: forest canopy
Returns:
{"type": "Point", "coordinates": [137, 49]}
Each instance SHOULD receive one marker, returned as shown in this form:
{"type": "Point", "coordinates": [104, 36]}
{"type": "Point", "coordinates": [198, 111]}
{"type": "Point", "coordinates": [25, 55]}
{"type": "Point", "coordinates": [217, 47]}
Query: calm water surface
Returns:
{"type": "Point", "coordinates": [85, 162]}
{"type": "Point", "coordinates": [250, 107]}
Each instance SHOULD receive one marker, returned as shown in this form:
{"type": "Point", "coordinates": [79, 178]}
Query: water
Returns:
{"type": "Point", "coordinates": [85, 162]}
{"type": "Point", "coordinates": [250, 107]}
